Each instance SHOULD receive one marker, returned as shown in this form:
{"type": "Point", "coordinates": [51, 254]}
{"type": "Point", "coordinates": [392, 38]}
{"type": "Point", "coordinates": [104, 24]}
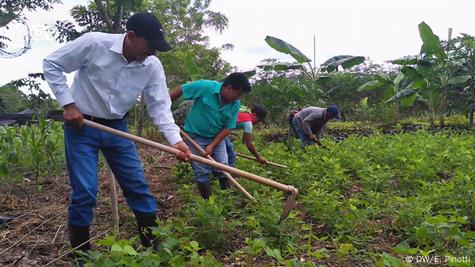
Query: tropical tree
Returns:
{"type": "Point", "coordinates": [340, 86]}
{"type": "Point", "coordinates": [463, 48]}
{"type": "Point", "coordinates": [98, 15]}
{"type": "Point", "coordinates": [185, 23]}
{"type": "Point", "coordinates": [330, 65]}
{"type": "Point", "coordinates": [281, 94]}
{"type": "Point", "coordinates": [432, 74]}
{"type": "Point", "coordinates": [392, 87]}
{"type": "Point", "coordinates": [12, 10]}
{"type": "Point", "coordinates": [12, 99]}
{"type": "Point", "coordinates": [294, 85]}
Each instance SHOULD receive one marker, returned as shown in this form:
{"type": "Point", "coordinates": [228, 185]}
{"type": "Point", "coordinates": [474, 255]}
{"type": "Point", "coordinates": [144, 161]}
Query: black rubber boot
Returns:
{"type": "Point", "coordinates": [144, 221]}
{"type": "Point", "coordinates": [79, 235]}
{"type": "Point", "coordinates": [205, 190]}
{"type": "Point", "coordinates": [224, 183]}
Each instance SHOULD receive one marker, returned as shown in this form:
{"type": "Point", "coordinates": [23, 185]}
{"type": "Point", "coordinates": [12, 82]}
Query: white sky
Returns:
{"type": "Point", "coordinates": [378, 29]}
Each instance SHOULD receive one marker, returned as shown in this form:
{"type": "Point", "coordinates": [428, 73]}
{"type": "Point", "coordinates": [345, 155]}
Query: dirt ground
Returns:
{"type": "Point", "coordinates": [38, 233]}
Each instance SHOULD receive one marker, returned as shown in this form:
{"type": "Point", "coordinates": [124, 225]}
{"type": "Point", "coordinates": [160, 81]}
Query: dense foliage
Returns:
{"type": "Point", "coordinates": [363, 201]}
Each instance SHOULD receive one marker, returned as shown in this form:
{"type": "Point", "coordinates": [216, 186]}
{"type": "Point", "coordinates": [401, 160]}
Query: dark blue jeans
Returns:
{"type": "Point", "coordinates": [304, 138]}
{"type": "Point", "coordinates": [202, 171]}
{"type": "Point", "coordinates": [230, 150]}
{"type": "Point", "coordinates": [82, 146]}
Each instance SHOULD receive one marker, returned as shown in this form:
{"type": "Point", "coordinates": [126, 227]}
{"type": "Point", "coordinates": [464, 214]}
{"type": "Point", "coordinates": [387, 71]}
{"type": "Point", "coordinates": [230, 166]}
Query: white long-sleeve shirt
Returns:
{"type": "Point", "coordinates": [105, 85]}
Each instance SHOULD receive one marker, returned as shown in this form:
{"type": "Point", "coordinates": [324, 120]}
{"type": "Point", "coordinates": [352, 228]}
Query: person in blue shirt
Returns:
{"type": "Point", "coordinates": [245, 122]}
{"type": "Point", "coordinates": [211, 117]}
{"type": "Point", "coordinates": [112, 70]}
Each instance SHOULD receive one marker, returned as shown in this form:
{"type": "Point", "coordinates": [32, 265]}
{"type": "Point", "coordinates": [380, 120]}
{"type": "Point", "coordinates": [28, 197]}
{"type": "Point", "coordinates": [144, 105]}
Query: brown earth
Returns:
{"type": "Point", "coordinates": [38, 234]}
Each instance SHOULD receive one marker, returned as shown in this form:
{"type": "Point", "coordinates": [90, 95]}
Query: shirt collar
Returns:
{"type": "Point", "coordinates": [118, 47]}
{"type": "Point", "coordinates": [230, 104]}
{"type": "Point", "coordinates": [118, 44]}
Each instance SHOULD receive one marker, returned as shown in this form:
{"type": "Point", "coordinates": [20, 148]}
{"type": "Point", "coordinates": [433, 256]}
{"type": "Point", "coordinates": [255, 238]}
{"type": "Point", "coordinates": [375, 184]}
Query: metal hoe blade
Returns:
{"type": "Point", "coordinates": [289, 203]}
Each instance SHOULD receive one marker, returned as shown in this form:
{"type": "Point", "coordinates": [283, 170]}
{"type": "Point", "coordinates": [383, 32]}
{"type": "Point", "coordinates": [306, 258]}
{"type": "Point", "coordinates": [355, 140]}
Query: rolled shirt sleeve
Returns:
{"type": "Point", "coordinates": [157, 99]}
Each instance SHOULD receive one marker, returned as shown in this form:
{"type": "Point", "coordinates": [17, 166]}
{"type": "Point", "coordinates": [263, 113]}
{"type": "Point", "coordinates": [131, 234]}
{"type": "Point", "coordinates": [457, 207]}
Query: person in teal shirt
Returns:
{"type": "Point", "coordinates": [211, 117]}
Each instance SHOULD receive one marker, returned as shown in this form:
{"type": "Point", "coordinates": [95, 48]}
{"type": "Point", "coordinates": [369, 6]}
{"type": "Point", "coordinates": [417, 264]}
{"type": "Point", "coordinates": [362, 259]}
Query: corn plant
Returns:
{"type": "Point", "coordinates": [35, 149]}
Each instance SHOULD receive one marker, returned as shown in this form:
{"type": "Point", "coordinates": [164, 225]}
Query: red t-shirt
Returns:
{"type": "Point", "coordinates": [245, 116]}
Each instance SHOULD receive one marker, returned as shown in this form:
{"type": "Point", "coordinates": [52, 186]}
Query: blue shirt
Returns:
{"type": "Point", "coordinates": [207, 117]}
{"type": "Point", "coordinates": [106, 85]}
{"type": "Point", "coordinates": [246, 126]}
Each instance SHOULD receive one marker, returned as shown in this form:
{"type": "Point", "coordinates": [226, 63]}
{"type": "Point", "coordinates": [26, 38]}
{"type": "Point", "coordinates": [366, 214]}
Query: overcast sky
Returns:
{"type": "Point", "coordinates": [378, 29]}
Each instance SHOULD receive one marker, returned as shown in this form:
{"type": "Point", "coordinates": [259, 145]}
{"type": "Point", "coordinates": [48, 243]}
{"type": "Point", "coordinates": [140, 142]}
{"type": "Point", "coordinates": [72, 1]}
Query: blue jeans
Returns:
{"type": "Point", "coordinates": [230, 150]}
{"type": "Point", "coordinates": [82, 146]}
{"type": "Point", "coordinates": [202, 171]}
{"type": "Point", "coordinates": [304, 138]}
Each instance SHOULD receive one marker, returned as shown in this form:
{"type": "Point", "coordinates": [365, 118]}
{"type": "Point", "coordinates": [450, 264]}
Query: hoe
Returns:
{"type": "Point", "coordinates": [291, 191]}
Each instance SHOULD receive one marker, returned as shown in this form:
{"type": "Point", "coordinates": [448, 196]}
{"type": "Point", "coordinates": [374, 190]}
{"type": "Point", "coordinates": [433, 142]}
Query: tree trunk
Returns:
{"type": "Point", "coordinates": [470, 118]}
{"type": "Point", "coordinates": [105, 17]}
{"type": "Point", "coordinates": [396, 112]}
{"type": "Point", "coordinates": [443, 107]}
{"type": "Point", "coordinates": [432, 117]}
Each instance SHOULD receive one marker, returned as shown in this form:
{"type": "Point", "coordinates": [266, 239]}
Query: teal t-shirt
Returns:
{"type": "Point", "coordinates": [206, 116]}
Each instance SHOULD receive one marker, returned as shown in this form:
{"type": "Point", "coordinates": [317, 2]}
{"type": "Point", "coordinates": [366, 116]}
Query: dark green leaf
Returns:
{"type": "Point", "coordinates": [388, 93]}
{"type": "Point", "coordinates": [407, 60]}
{"type": "Point", "coordinates": [401, 94]}
{"type": "Point", "coordinates": [280, 66]}
{"type": "Point", "coordinates": [371, 85]}
{"type": "Point", "coordinates": [459, 80]}
{"type": "Point", "coordinates": [345, 61]}
{"type": "Point", "coordinates": [418, 84]}
{"type": "Point", "coordinates": [286, 48]}
{"type": "Point", "coordinates": [192, 68]}
{"type": "Point", "coordinates": [431, 41]}
{"type": "Point", "coordinates": [411, 73]}
{"type": "Point", "coordinates": [425, 62]}
{"type": "Point", "coordinates": [409, 101]}
{"type": "Point", "coordinates": [403, 248]}
{"type": "Point", "coordinates": [383, 78]}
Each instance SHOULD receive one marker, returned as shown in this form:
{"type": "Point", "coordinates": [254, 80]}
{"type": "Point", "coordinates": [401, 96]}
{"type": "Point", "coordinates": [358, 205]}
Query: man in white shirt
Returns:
{"type": "Point", "coordinates": [112, 71]}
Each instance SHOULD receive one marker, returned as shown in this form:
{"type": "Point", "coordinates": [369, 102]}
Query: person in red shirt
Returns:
{"type": "Point", "coordinates": [245, 121]}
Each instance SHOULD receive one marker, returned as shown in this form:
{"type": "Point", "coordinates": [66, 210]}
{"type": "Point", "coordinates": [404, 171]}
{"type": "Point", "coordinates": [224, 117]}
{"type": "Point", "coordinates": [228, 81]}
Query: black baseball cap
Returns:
{"type": "Point", "coordinates": [147, 25]}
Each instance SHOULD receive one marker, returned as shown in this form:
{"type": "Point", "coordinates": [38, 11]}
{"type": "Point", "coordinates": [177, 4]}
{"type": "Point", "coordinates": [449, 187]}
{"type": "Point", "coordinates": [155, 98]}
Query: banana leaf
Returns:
{"type": "Point", "coordinates": [431, 42]}
{"type": "Point", "coordinates": [286, 48]}
{"type": "Point", "coordinates": [407, 60]}
{"type": "Point", "coordinates": [346, 61]}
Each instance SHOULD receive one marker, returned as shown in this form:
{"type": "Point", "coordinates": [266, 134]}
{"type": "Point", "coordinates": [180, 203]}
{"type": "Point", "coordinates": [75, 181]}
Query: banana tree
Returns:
{"type": "Point", "coordinates": [312, 74]}
{"type": "Point", "coordinates": [433, 74]}
{"type": "Point", "coordinates": [330, 65]}
{"type": "Point", "coordinates": [392, 86]}
{"type": "Point", "coordinates": [463, 48]}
